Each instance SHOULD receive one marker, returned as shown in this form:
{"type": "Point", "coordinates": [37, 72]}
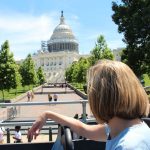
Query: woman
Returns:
{"type": "Point", "coordinates": [118, 102]}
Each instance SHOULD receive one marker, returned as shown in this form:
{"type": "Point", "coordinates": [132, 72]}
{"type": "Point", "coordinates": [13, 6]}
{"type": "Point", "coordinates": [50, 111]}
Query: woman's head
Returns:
{"type": "Point", "coordinates": [76, 116]}
{"type": "Point", "coordinates": [115, 91]}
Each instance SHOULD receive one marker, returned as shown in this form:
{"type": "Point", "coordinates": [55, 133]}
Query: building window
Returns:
{"type": "Point", "coordinates": [60, 46]}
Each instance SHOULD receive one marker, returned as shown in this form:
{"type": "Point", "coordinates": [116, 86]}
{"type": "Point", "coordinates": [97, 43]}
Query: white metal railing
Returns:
{"type": "Point", "coordinates": [43, 103]}
{"type": "Point", "coordinates": [29, 123]}
{"type": "Point", "coordinates": [25, 123]}
{"type": "Point", "coordinates": [82, 102]}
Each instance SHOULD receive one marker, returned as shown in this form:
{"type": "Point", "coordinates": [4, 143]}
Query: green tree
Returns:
{"type": "Point", "coordinates": [27, 71]}
{"type": "Point", "coordinates": [80, 70]}
{"type": "Point", "coordinates": [133, 20]}
{"type": "Point", "coordinates": [75, 72]}
{"type": "Point", "coordinates": [17, 78]}
{"type": "Point", "coordinates": [9, 75]}
{"type": "Point", "coordinates": [40, 75]}
{"type": "Point", "coordinates": [100, 51]}
{"type": "Point", "coordinates": [69, 72]}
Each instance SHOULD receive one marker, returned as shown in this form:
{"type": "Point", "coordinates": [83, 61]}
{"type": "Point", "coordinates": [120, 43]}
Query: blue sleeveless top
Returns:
{"type": "Point", "coordinates": [135, 137]}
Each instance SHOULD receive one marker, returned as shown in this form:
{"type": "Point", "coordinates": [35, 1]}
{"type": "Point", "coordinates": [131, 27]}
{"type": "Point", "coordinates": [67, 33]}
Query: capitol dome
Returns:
{"type": "Point", "coordinates": [62, 38]}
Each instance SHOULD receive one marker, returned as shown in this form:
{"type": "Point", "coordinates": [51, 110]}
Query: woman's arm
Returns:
{"type": "Point", "coordinates": [93, 132]}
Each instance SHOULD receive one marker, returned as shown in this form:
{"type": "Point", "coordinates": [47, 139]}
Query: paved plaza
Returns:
{"type": "Point", "coordinates": [32, 112]}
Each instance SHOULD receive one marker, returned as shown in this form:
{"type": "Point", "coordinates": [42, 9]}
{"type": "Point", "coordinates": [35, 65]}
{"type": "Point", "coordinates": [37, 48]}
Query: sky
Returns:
{"type": "Point", "coordinates": [25, 23]}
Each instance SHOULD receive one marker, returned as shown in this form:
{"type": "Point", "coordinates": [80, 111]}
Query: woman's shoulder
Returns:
{"type": "Point", "coordinates": [140, 131]}
{"type": "Point", "coordinates": [134, 136]}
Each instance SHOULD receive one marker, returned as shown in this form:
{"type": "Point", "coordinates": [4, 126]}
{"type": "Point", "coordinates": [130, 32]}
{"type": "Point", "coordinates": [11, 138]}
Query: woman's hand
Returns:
{"type": "Point", "coordinates": [36, 127]}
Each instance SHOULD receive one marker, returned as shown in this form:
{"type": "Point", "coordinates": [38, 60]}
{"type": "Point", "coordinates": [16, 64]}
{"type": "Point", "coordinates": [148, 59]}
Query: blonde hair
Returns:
{"type": "Point", "coordinates": [114, 90]}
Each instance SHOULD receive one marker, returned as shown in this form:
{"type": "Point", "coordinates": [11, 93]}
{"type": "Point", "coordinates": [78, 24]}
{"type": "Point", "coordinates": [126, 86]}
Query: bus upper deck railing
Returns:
{"type": "Point", "coordinates": [29, 123]}
{"type": "Point", "coordinates": [49, 122]}
{"type": "Point", "coordinates": [9, 124]}
{"type": "Point", "coordinates": [44, 103]}
{"type": "Point", "coordinates": [13, 110]}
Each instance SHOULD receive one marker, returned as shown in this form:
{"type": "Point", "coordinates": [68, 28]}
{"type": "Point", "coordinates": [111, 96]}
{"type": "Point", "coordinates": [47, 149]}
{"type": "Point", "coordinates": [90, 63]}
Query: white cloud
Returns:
{"type": "Point", "coordinates": [114, 44]}
{"type": "Point", "coordinates": [25, 31]}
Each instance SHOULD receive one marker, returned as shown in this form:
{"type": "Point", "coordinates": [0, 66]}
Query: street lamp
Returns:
{"type": "Point", "coordinates": [65, 85]}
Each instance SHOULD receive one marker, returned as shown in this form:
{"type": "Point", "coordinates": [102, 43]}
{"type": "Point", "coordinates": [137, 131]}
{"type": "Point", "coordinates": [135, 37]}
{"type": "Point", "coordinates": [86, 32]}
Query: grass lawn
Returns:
{"type": "Point", "coordinates": [147, 80]}
{"type": "Point", "coordinates": [78, 86]}
{"type": "Point", "coordinates": [12, 92]}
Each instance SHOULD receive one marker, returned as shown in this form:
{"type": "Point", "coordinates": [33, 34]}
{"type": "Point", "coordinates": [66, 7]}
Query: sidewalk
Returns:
{"type": "Point", "coordinates": [32, 112]}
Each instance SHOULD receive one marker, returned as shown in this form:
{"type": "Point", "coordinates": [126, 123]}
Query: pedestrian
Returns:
{"type": "Point", "coordinates": [17, 136]}
{"type": "Point", "coordinates": [118, 102]}
{"type": "Point", "coordinates": [2, 130]}
{"type": "Point", "coordinates": [49, 97]}
{"type": "Point", "coordinates": [28, 95]}
{"type": "Point", "coordinates": [55, 97]}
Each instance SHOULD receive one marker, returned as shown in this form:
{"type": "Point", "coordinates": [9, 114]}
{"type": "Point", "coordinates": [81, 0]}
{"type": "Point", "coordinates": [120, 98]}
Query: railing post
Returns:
{"type": "Point", "coordinates": [8, 135]}
{"type": "Point", "coordinates": [50, 134]}
{"type": "Point", "coordinates": [29, 138]}
{"type": "Point", "coordinates": [84, 111]}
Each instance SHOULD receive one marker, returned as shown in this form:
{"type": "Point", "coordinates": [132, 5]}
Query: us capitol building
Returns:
{"type": "Point", "coordinates": [58, 53]}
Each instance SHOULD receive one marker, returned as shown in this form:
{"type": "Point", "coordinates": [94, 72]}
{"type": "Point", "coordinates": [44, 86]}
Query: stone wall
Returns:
{"type": "Point", "coordinates": [78, 92]}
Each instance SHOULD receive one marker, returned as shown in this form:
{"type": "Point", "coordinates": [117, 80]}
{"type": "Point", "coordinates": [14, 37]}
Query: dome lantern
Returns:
{"type": "Point", "coordinates": [62, 19]}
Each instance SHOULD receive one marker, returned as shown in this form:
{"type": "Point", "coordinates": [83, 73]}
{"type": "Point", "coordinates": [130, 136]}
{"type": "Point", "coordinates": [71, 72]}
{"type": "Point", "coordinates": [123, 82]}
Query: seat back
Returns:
{"type": "Point", "coordinates": [89, 145]}
{"type": "Point", "coordinates": [66, 138]}
{"type": "Point", "coordinates": [147, 121]}
{"type": "Point", "coordinates": [79, 144]}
